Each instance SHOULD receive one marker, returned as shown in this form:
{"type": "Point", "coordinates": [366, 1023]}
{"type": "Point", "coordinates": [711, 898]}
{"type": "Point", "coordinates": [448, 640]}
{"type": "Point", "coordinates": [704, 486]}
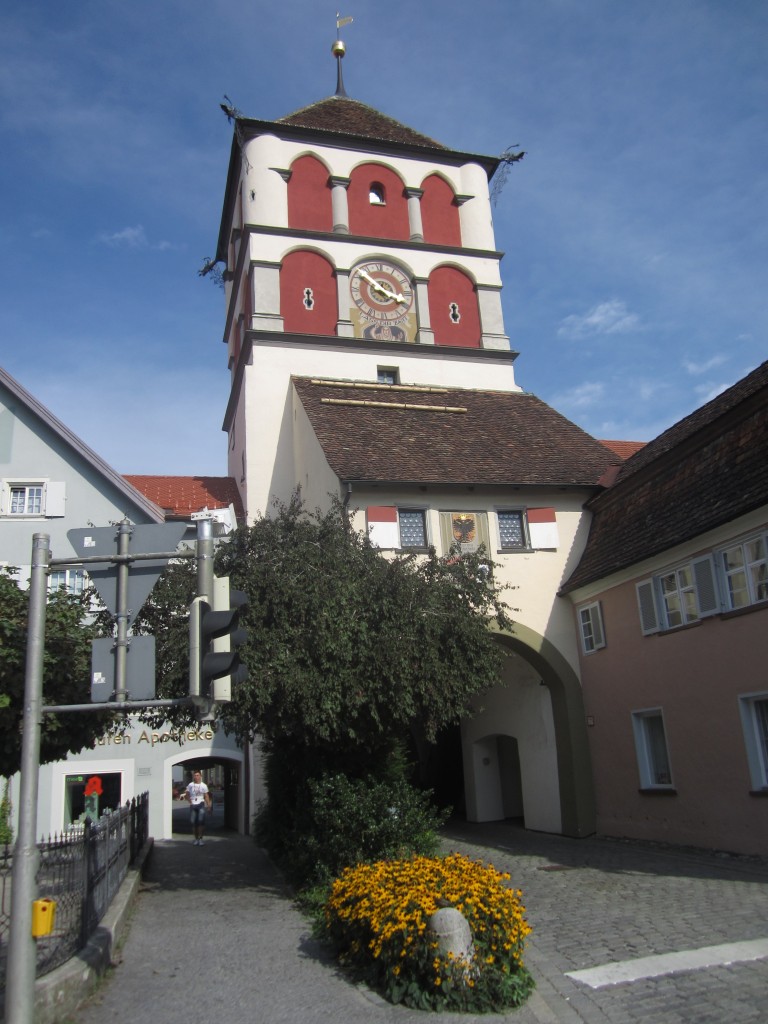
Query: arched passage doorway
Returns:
{"type": "Point", "coordinates": [225, 779]}
{"type": "Point", "coordinates": [525, 752]}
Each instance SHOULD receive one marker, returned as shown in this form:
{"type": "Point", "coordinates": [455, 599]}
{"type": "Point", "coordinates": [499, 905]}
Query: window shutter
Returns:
{"type": "Point", "coordinates": [542, 528]}
{"type": "Point", "coordinates": [649, 618]}
{"type": "Point", "coordinates": [596, 615]}
{"type": "Point", "coordinates": [706, 586]}
{"type": "Point", "coordinates": [382, 526]}
{"type": "Point", "coordinates": [55, 499]}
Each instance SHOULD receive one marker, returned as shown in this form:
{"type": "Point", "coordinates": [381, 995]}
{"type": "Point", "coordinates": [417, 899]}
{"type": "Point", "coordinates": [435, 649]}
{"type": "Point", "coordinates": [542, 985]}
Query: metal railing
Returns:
{"type": "Point", "coordinates": [82, 871]}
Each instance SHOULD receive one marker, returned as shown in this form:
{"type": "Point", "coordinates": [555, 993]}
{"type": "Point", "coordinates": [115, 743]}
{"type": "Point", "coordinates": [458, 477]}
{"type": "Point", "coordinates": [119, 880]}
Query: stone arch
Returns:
{"type": "Point", "coordinates": [569, 762]}
{"type": "Point", "coordinates": [574, 761]}
{"type": "Point", "coordinates": [236, 810]}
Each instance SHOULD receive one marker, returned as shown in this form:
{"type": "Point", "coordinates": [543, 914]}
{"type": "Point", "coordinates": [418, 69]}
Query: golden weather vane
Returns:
{"type": "Point", "coordinates": [338, 50]}
{"type": "Point", "coordinates": [341, 22]}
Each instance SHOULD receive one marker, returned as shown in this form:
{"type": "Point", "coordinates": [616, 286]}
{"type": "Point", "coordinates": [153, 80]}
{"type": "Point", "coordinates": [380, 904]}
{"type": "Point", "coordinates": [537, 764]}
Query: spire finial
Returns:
{"type": "Point", "coordinates": [338, 50]}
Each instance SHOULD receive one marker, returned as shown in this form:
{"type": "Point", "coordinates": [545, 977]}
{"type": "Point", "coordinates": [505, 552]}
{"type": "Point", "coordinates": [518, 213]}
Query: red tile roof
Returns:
{"type": "Point", "coordinates": [624, 449]}
{"type": "Point", "coordinates": [400, 433]}
{"type": "Point", "coordinates": [182, 495]}
{"type": "Point", "coordinates": [705, 471]}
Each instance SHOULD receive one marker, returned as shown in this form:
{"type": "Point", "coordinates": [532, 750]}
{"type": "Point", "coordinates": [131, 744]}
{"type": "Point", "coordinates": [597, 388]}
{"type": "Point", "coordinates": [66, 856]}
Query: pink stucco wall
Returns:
{"type": "Point", "coordinates": [696, 675]}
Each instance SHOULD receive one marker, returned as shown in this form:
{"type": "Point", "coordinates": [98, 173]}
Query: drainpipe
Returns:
{"type": "Point", "coordinates": [345, 505]}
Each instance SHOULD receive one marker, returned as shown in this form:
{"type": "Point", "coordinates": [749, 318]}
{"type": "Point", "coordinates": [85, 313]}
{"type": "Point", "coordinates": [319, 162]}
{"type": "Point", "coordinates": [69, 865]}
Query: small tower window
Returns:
{"type": "Point", "coordinates": [453, 313]}
{"type": "Point", "coordinates": [309, 298]}
{"type": "Point", "coordinates": [387, 375]}
{"type": "Point", "coordinates": [376, 195]}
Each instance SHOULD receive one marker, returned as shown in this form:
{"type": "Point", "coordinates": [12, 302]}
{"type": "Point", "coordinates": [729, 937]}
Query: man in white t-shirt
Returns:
{"type": "Point", "coordinates": [199, 801]}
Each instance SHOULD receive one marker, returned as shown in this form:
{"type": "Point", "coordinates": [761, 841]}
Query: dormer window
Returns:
{"type": "Point", "coordinates": [376, 194]}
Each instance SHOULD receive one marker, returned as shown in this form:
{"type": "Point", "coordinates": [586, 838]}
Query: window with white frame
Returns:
{"type": "Point", "coordinates": [74, 581]}
{"type": "Point", "coordinates": [754, 720]}
{"type": "Point", "coordinates": [26, 500]}
{"type": "Point", "coordinates": [651, 748]}
{"type": "Point", "coordinates": [591, 628]}
{"type": "Point", "coordinates": [390, 526]}
{"type": "Point", "coordinates": [32, 498]}
{"type": "Point", "coordinates": [678, 596]}
{"type": "Point", "coordinates": [745, 572]}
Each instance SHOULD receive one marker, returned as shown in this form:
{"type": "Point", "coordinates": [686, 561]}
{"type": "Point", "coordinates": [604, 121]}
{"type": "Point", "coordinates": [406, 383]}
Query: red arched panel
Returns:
{"type": "Point", "coordinates": [439, 212]}
{"type": "Point", "coordinates": [309, 195]}
{"type": "Point", "coordinates": [386, 219]}
{"type": "Point", "coordinates": [453, 308]}
{"type": "Point", "coordinates": [308, 303]}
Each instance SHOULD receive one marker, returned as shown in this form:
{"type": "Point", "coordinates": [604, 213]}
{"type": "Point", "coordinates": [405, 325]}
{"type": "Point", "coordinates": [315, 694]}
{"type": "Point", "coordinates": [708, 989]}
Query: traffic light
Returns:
{"type": "Point", "coordinates": [215, 636]}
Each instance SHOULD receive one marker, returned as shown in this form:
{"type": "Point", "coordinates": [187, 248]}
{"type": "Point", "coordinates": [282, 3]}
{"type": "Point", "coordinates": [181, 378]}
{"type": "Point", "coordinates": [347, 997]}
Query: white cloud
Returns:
{"type": "Point", "coordinates": [611, 317]}
{"type": "Point", "coordinates": [133, 238]}
{"type": "Point", "coordinates": [128, 238]}
{"type": "Point", "coordinates": [696, 369]}
{"type": "Point", "coordinates": [584, 396]}
{"type": "Point", "coordinates": [706, 392]}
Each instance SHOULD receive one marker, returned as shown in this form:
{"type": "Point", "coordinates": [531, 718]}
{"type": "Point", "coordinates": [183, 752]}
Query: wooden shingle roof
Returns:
{"type": "Point", "coordinates": [412, 434]}
{"type": "Point", "coordinates": [351, 117]}
{"type": "Point", "coordinates": [705, 471]}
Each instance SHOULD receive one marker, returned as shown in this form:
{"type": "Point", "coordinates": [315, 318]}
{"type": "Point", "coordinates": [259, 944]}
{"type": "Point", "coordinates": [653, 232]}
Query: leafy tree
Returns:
{"type": "Point", "coordinates": [348, 648]}
{"type": "Point", "coordinates": [351, 655]}
{"type": "Point", "coordinates": [66, 675]}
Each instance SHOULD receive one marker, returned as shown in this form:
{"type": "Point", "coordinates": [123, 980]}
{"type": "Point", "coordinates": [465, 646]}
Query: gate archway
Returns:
{"type": "Point", "coordinates": [526, 752]}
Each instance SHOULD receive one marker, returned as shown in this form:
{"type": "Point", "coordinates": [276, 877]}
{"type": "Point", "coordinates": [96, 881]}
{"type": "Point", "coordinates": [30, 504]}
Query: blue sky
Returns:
{"type": "Point", "coordinates": [634, 229]}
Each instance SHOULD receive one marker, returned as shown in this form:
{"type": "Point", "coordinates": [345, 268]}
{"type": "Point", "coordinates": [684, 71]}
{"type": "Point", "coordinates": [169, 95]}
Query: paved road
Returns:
{"type": "Point", "coordinates": [215, 937]}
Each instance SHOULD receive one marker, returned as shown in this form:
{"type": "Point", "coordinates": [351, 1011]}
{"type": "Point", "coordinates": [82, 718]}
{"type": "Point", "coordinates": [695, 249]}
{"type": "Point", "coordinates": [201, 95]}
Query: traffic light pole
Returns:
{"type": "Point", "coordinates": [21, 966]}
{"type": "Point", "coordinates": [205, 559]}
{"type": "Point", "coordinates": [121, 644]}
{"type": "Point", "coordinates": [22, 954]}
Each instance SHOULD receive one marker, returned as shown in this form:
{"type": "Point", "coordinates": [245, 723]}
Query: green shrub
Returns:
{"type": "Point", "coordinates": [358, 820]}
{"type": "Point", "coordinates": [315, 823]}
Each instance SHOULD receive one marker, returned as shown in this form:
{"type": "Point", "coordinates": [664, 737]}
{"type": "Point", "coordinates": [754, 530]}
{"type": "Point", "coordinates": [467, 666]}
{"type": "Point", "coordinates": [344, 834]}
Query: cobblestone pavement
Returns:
{"type": "Point", "coordinates": [215, 937]}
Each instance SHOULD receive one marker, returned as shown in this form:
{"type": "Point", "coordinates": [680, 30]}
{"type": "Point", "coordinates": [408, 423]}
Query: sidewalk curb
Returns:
{"type": "Point", "coordinates": [60, 993]}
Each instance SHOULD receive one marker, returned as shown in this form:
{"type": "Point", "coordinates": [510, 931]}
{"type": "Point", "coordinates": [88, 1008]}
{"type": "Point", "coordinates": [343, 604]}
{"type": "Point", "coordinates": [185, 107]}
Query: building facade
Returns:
{"type": "Point", "coordinates": [51, 482]}
{"type": "Point", "coordinates": [671, 602]}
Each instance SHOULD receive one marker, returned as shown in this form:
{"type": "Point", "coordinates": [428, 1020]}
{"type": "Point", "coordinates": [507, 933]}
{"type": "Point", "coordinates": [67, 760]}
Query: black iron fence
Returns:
{"type": "Point", "coordinates": [81, 870]}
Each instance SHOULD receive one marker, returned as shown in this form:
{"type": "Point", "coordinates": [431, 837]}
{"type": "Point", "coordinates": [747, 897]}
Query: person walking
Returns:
{"type": "Point", "coordinates": [199, 801]}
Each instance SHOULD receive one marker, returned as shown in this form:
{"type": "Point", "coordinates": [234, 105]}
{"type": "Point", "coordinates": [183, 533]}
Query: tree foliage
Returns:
{"type": "Point", "coordinates": [66, 675]}
{"type": "Point", "coordinates": [347, 647]}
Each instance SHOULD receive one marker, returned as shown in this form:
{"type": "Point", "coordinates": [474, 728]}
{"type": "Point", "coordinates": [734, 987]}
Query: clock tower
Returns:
{"type": "Point", "coordinates": [354, 248]}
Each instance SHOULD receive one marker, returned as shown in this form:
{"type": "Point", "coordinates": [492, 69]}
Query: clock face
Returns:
{"type": "Point", "coordinates": [382, 292]}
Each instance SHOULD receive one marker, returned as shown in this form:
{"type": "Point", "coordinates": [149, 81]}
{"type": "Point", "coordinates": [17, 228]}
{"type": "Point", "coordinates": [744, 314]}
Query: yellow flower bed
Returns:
{"type": "Point", "coordinates": [377, 916]}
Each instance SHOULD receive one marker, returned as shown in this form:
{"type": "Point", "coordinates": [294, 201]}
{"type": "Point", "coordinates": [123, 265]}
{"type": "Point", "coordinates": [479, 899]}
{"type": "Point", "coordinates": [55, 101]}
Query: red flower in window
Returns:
{"type": "Point", "coordinates": [93, 786]}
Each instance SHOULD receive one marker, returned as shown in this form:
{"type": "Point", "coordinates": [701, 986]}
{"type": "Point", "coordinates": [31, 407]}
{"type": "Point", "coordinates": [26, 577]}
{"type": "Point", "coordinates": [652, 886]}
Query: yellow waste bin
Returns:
{"type": "Point", "coordinates": [43, 916]}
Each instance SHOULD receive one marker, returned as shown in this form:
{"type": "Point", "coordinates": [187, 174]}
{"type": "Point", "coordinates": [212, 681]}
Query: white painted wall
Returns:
{"type": "Point", "coordinates": [145, 758]}
{"type": "Point", "coordinates": [521, 708]}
